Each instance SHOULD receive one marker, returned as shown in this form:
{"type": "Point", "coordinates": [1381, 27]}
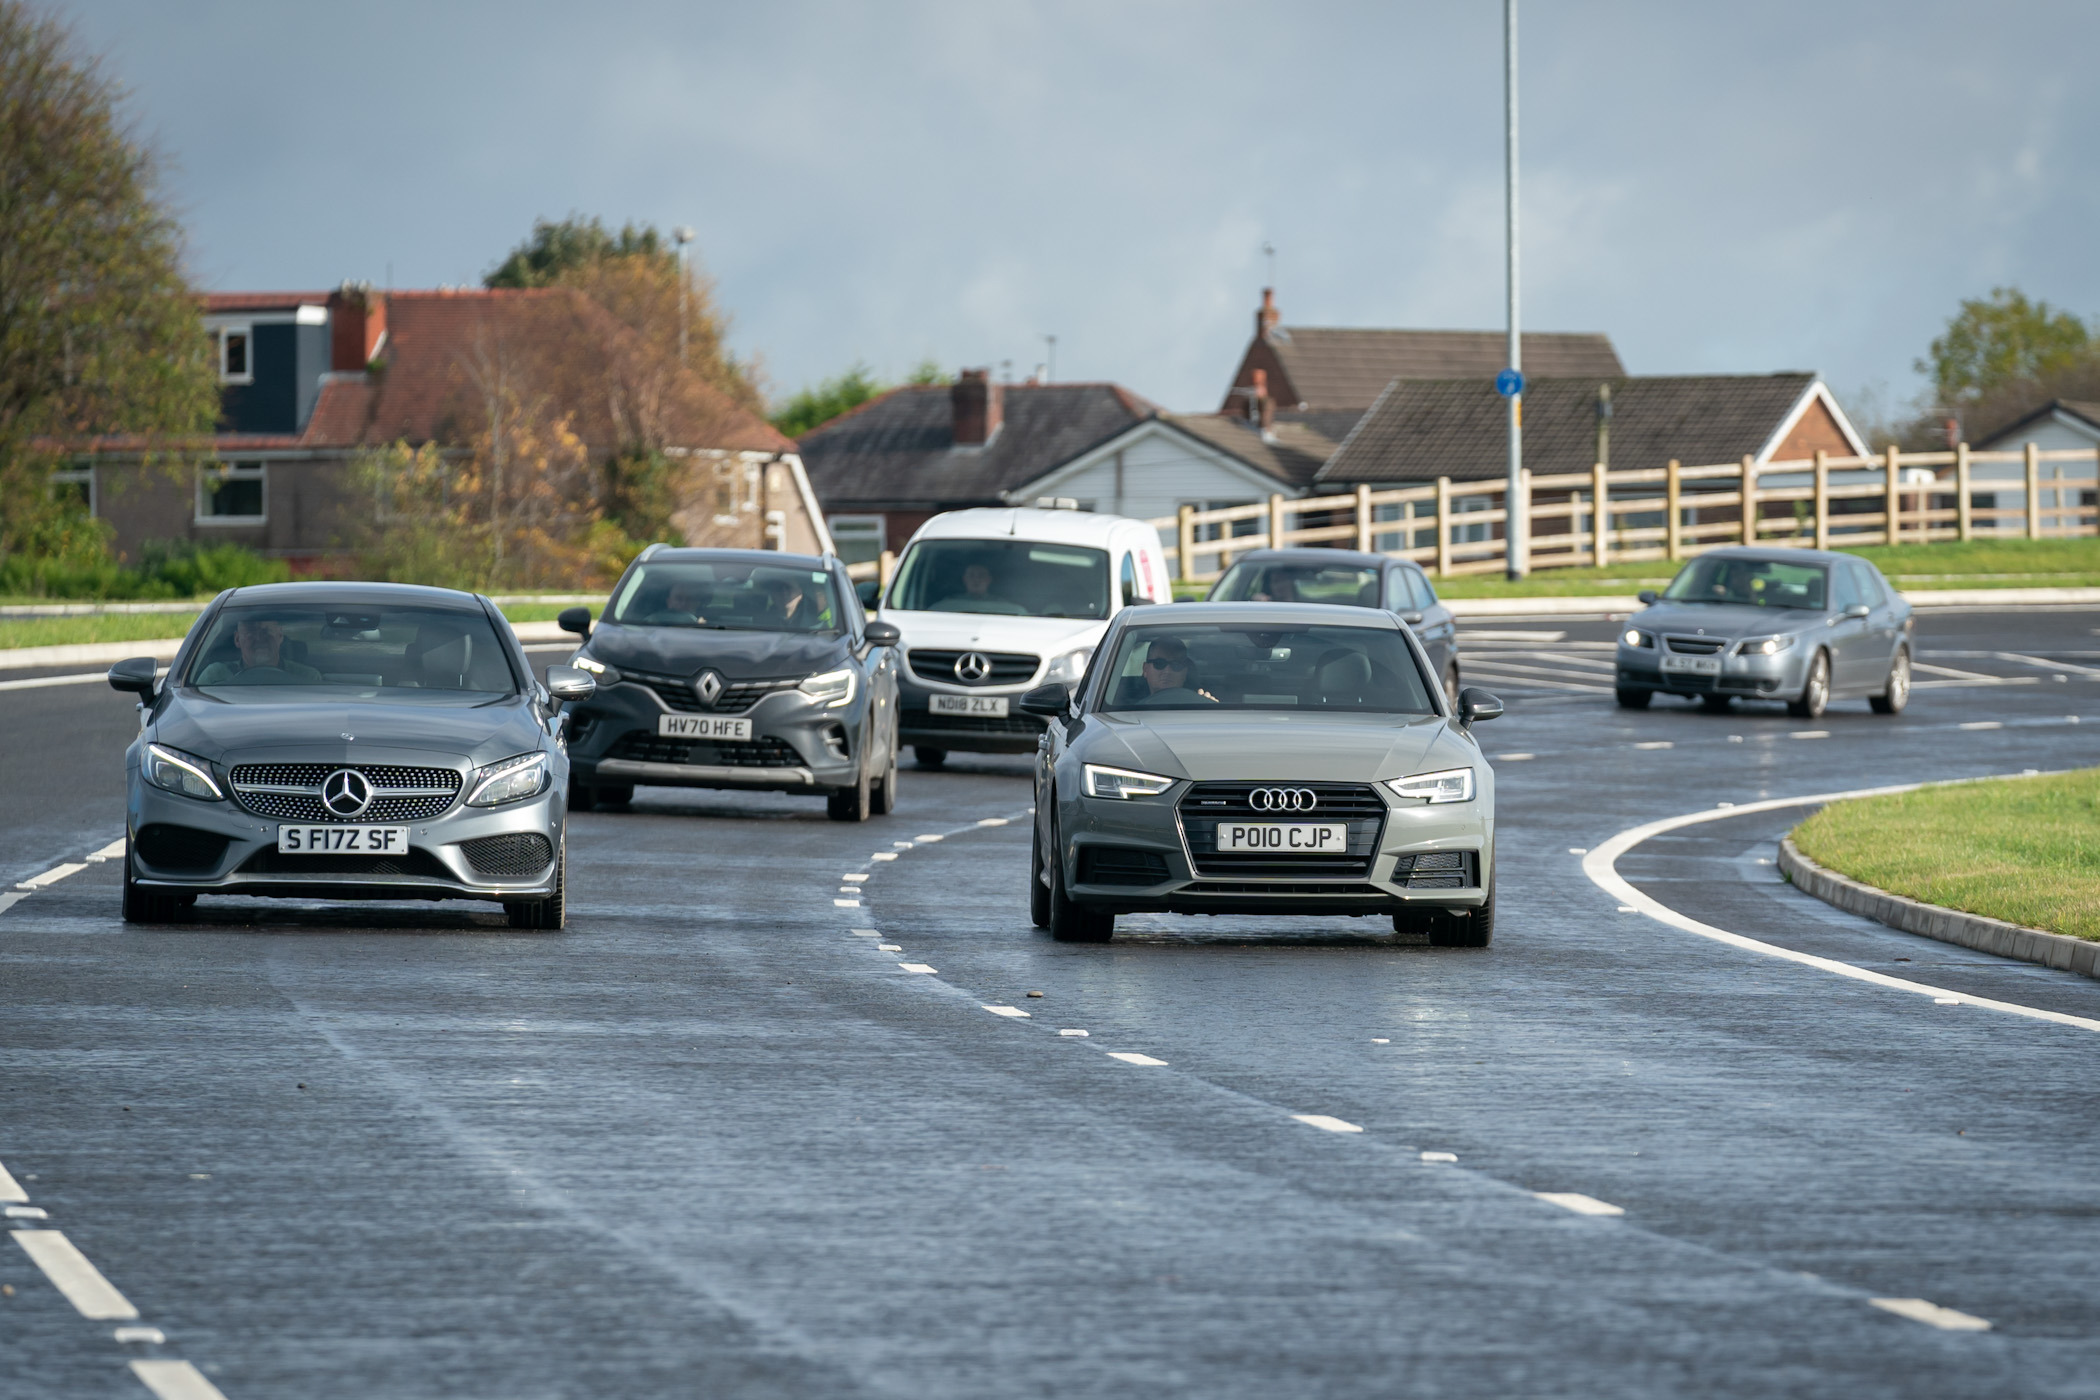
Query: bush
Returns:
{"type": "Point", "coordinates": [165, 570]}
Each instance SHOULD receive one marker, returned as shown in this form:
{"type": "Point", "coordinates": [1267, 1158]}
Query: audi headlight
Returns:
{"type": "Point", "coordinates": [174, 771]}
{"type": "Point", "coordinates": [1069, 668]}
{"type": "Point", "coordinates": [512, 780]}
{"type": "Point", "coordinates": [1636, 638]}
{"type": "Point", "coordinates": [1451, 785]}
{"type": "Point", "coordinates": [1121, 782]}
{"type": "Point", "coordinates": [831, 690]}
{"type": "Point", "coordinates": [605, 674]}
{"type": "Point", "coordinates": [1764, 646]}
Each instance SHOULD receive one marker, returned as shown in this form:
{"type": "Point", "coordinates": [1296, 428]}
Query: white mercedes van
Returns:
{"type": "Point", "coordinates": [994, 601]}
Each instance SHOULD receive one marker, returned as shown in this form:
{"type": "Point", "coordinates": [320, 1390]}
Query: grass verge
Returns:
{"type": "Point", "coordinates": [89, 628]}
{"type": "Point", "coordinates": [2026, 850]}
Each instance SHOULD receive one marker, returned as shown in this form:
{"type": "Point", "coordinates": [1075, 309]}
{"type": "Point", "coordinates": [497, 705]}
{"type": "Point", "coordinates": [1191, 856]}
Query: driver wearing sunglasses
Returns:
{"type": "Point", "coordinates": [1167, 668]}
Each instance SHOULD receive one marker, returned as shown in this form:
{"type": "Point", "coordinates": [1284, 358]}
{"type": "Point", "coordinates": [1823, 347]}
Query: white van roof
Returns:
{"type": "Point", "coordinates": [1027, 523]}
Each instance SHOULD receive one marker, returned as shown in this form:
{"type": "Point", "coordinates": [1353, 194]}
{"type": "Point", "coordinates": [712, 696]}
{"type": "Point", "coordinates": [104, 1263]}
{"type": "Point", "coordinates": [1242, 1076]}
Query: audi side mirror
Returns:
{"type": "Point", "coordinates": [577, 620]}
{"type": "Point", "coordinates": [134, 675]}
{"type": "Point", "coordinates": [569, 683]}
{"type": "Point", "coordinates": [883, 634]}
{"type": "Point", "coordinates": [1475, 704]}
{"type": "Point", "coordinates": [1049, 701]}
{"type": "Point", "coordinates": [1647, 597]}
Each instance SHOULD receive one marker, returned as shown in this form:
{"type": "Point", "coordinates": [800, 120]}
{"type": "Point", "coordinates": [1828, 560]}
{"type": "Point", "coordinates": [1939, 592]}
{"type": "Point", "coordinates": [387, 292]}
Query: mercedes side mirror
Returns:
{"type": "Point", "coordinates": [1475, 704]}
{"type": "Point", "coordinates": [569, 683]}
{"type": "Point", "coordinates": [1137, 600]}
{"type": "Point", "coordinates": [1858, 610]}
{"type": "Point", "coordinates": [1647, 596]}
{"type": "Point", "coordinates": [134, 675]}
{"type": "Point", "coordinates": [883, 634]}
{"type": "Point", "coordinates": [1049, 701]}
{"type": "Point", "coordinates": [577, 620]}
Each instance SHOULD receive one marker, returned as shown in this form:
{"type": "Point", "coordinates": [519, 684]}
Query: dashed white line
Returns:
{"type": "Point", "coordinates": [1013, 1011]}
{"type": "Point", "coordinates": [26, 1213]}
{"type": "Point", "coordinates": [109, 852]}
{"type": "Point", "coordinates": [1932, 1314]}
{"type": "Point", "coordinates": [885, 855]}
{"type": "Point", "coordinates": [11, 899]}
{"type": "Point", "coordinates": [52, 876]}
{"type": "Point", "coordinates": [151, 1336]}
{"type": "Point", "coordinates": [993, 821]}
{"type": "Point", "coordinates": [175, 1380]}
{"type": "Point", "coordinates": [1326, 1124]}
{"type": "Point", "coordinates": [864, 933]}
{"type": "Point", "coordinates": [92, 1295]}
{"type": "Point", "coordinates": [929, 840]}
{"type": "Point", "coordinates": [1440, 1156]}
{"type": "Point", "coordinates": [917, 967]}
{"type": "Point", "coordinates": [845, 904]}
{"type": "Point", "coordinates": [1514, 757]}
{"type": "Point", "coordinates": [1982, 724]}
{"type": "Point", "coordinates": [853, 879]}
{"type": "Point", "coordinates": [1579, 1203]}
{"type": "Point", "coordinates": [1658, 744]}
{"type": "Point", "coordinates": [889, 947]}
{"type": "Point", "coordinates": [1132, 1057]}
{"type": "Point", "coordinates": [1809, 734]}
{"type": "Point", "coordinates": [1081, 1034]}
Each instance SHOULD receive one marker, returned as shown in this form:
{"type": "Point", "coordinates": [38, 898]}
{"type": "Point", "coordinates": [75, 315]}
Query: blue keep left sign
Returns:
{"type": "Point", "coordinates": [1509, 384]}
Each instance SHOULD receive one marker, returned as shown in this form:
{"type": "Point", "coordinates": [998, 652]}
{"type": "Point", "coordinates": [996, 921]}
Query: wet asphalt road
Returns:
{"type": "Point", "coordinates": [710, 1140]}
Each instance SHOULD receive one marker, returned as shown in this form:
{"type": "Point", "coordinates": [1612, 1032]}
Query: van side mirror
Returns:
{"type": "Point", "coordinates": [1048, 701]}
{"type": "Point", "coordinates": [1646, 595]}
{"type": "Point", "coordinates": [577, 620]}
{"type": "Point", "coordinates": [1475, 704]}
{"type": "Point", "coordinates": [134, 675]}
{"type": "Point", "coordinates": [883, 634]}
{"type": "Point", "coordinates": [570, 683]}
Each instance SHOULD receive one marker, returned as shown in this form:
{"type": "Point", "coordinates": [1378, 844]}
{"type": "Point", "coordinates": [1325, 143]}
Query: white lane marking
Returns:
{"type": "Point", "coordinates": [994, 821]}
{"type": "Point", "coordinates": [1982, 724]}
{"type": "Point", "coordinates": [1809, 734]}
{"type": "Point", "coordinates": [1578, 850]}
{"type": "Point", "coordinates": [109, 852]}
{"type": "Point", "coordinates": [10, 1189]}
{"type": "Point", "coordinates": [1013, 1011]}
{"type": "Point", "coordinates": [1470, 635]}
{"type": "Point", "coordinates": [38, 682]}
{"type": "Point", "coordinates": [915, 967]}
{"type": "Point", "coordinates": [1657, 744]}
{"type": "Point", "coordinates": [1600, 865]}
{"type": "Point", "coordinates": [1628, 909]}
{"type": "Point", "coordinates": [1946, 1001]}
{"type": "Point", "coordinates": [26, 1213]}
{"type": "Point", "coordinates": [52, 876]}
{"type": "Point", "coordinates": [175, 1380]}
{"type": "Point", "coordinates": [900, 845]}
{"type": "Point", "coordinates": [1381, 1040]}
{"type": "Point", "coordinates": [71, 1274]}
{"type": "Point", "coordinates": [1932, 1314]}
{"type": "Point", "coordinates": [1131, 1057]}
{"type": "Point", "coordinates": [1579, 1203]}
{"type": "Point", "coordinates": [151, 1336]}
{"type": "Point", "coordinates": [1951, 671]}
{"type": "Point", "coordinates": [853, 879]}
{"type": "Point", "coordinates": [925, 840]}
{"type": "Point", "coordinates": [1440, 1156]}
{"type": "Point", "coordinates": [845, 904]}
{"type": "Point", "coordinates": [864, 932]}
{"type": "Point", "coordinates": [1077, 1033]}
{"type": "Point", "coordinates": [1326, 1124]}
{"type": "Point", "coordinates": [2048, 665]}
{"type": "Point", "coordinates": [12, 898]}
{"type": "Point", "coordinates": [884, 855]}
{"type": "Point", "coordinates": [1524, 676]}
{"type": "Point", "coordinates": [1514, 757]}
{"type": "Point", "coordinates": [889, 947]}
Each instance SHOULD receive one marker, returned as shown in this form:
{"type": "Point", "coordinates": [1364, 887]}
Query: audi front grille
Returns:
{"type": "Point", "coordinates": [1358, 805]}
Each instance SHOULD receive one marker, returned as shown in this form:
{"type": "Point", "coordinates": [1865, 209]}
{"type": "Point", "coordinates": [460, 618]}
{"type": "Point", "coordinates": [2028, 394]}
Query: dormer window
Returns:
{"type": "Point", "coordinates": [236, 355]}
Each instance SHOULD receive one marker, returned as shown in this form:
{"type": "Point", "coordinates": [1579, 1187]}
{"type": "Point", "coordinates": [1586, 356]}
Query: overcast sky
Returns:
{"type": "Point", "coordinates": [1718, 187]}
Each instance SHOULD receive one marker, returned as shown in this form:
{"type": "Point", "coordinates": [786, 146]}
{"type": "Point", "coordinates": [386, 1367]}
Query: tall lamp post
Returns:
{"type": "Point", "coordinates": [1516, 529]}
{"type": "Point", "coordinates": [683, 234]}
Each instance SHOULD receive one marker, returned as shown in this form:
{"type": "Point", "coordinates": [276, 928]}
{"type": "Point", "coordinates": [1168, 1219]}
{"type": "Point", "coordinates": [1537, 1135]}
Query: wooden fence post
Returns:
{"type": "Point", "coordinates": [1893, 503]}
{"type": "Point", "coordinates": [885, 570]}
{"type": "Point", "coordinates": [1749, 495]}
{"type": "Point", "coordinates": [1443, 525]}
{"type": "Point", "coordinates": [1822, 499]}
{"type": "Point", "coordinates": [1674, 523]}
{"type": "Point", "coordinates": [2034, 492]}
{"type": "Point", "coordinates": [1508, 544]}
{"type": "Point", "coordinates": [1185, 542]}
{"type": "Point", "coordinates": [1600, 513]}
{"type": "Point", "coordinates": [1363, 517]}
{"type": "Point", "coordinates": [1961, 491]}
{"type": "Point", "coordinates": [1275, 521]}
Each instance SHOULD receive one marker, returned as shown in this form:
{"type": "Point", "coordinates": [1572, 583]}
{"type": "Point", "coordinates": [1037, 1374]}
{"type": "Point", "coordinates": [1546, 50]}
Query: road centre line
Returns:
{"type": "Point", "coordinates": [1600, 865]}
{"type": "Point", "coordinates": [91, 1295]}
{"type": "Point", "coordinates": [175, 1380]}
{"type": "Point", "coordinates": [1932, 1314]}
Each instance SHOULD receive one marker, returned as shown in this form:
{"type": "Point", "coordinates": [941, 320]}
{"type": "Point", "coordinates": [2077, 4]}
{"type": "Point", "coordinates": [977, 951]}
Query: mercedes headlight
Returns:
{"type": "Point", "coordinates": [512, 780]}
{"type": "Point", "coordinates": [605, 674]}
{"type": "Point", "coordinates": [831, 690]}
{"type": "Point", "coordinates": [1764, 646]}
{"type": "Point", "coordinates": [1121, 782]}
{"type": "Point", "coordinates": [1636, 638]}
{"type": "Point", "coordinates": [1069, 668]}
{"type": "Point", "coordinates": [1451, 785]}
{"type": "Point", "coordinates": [174, 771]}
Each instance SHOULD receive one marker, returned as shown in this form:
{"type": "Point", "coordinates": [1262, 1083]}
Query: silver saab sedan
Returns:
{"type": "Point", "coordinates": [348, 741]}
{"type": "Point", "coordinates": [1262, 758]}
{"type": "Point", "coordinates": [1801, 625]}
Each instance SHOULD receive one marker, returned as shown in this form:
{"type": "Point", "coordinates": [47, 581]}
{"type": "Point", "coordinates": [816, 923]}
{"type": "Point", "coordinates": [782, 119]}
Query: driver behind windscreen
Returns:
{"type": "Point", "coordinates": [260, 641]}
{"type": "Point", "coordinates": [1167, 670]}
{"type": "Point", "coordinates": [977, 595]}
{"type": "Point", "coordinates": [1277, 586]}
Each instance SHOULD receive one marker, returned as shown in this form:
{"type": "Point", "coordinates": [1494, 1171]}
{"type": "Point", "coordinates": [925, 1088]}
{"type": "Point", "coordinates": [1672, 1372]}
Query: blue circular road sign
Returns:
{"type": "Point", "coordinates": [1509, 384]}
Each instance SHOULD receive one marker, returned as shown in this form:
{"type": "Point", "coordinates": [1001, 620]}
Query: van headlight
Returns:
{"type": "Point", "coordinates": [1069, 668]}
{"type": "Point", "coordinates": [1764, 646]}
{"type": "Point", "coordinates": [1122, 782]}
{"type": "Point", "coordinates": [1450, 785]}
{"type": "Point", "coordinates": [512, 780]}
{"type": "Point", "coordinates": [172, 770]}
{"type": "Point", "coordinates": [831, 690]}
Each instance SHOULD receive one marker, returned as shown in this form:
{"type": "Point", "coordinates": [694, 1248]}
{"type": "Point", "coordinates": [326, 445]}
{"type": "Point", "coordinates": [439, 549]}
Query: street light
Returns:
{"type": "Point", "coordinates": [1050, 361]}
{"type": "Point", "coordinates": [1516, 527]}
{"type": "Point", "coordinates": [682, 235]}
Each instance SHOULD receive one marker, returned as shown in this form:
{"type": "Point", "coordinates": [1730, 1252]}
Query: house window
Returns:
{"type": "Point", "coordinates": [76, 485]}
{"type": "Point", "coordinates": [1471, 534]}
{"type": "Point", "coordinates": [236, 355]}
{"type": "Point", "coordinates": [232, 494]}
{"type": "Point", "coordinates": [858, 539]}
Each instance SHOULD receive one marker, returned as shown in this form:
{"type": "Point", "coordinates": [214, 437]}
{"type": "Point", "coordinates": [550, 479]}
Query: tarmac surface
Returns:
{"type": "Point", "coordinates": [719, 1138]}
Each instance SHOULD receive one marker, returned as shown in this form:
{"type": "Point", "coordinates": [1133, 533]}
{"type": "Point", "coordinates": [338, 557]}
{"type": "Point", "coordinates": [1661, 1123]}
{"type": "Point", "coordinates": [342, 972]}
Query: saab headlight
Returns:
{"type": "Point", "coordinates": [605, 674]}
{"type": "Point", "coordinates": [512, 780]}
{"type": "Point", "coordinates": [832, 689]}
{"type": "Point", "coordinates": [1636, 638]}
{"type": "Point", "coordinates": [1069, 668]}
{"type": "Point", "coordinates": [1122, 782]}
{"type": "Point", "coordinates": [1764, 646]}
{"type": "Point", "coordinates": [175, 771]}
{"type": "Point", "coordinates": [1451, 785]}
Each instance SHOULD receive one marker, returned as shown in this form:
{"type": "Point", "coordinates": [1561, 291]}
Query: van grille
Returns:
{"type": "Point", "coordinates": [1008, 667]}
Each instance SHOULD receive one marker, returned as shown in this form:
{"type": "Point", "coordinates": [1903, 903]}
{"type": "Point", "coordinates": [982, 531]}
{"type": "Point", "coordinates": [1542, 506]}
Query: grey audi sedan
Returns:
{"type": "Point", "coordinates": [347, 741]}
{"type": "Point", "coordinates": [1262, 758]}
{"type": "Point", "coordinates": [1804, 626]}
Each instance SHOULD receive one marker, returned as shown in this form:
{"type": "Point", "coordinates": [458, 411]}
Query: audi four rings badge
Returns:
{"type": "Point", "coordinates": [972, 667]}
{"type": "Point", "coordinates": [346, 792]}
{"type": "Point", "coordinates": [1282, 799]}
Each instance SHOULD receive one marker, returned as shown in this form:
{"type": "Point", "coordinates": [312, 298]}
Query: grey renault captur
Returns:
{"type": "Point", "coordinates": [1805, 626]}
{"type": "Point", "coordinates": [1263, 758]}
{"type": "Point", "coordinates": [347, 741]}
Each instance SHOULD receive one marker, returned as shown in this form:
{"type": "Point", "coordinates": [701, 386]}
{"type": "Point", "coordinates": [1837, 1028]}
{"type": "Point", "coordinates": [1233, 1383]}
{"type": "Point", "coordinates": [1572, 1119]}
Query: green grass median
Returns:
{"type": "Point", "coordinates": [2026, 850]}
{"type": "Point", "coordinates": [84, 629]}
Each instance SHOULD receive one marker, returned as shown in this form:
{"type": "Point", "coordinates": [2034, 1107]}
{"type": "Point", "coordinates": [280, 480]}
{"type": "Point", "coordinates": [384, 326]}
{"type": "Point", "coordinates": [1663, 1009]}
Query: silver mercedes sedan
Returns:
{"type": "Point", "coordinates": [1262, 758]}
{"type": "Point", "coordinates": [1801, 625]}
{"type": "Point", "coordinates": [348, 741]}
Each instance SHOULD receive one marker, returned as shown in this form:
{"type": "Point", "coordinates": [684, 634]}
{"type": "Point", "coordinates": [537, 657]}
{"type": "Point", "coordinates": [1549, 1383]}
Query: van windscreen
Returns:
{"type": "Point", "coordinates": [1019, 578]}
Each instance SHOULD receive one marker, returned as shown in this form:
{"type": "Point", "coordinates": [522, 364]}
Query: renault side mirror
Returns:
{"type": "Point", "coordinates": [1475, 704]}
{"type": "Point", "coordinates": [1647, 597]}
{"type": "Point", "coordinates": [569, 683]}
{"type": "Point", "coordinates": [577, 620]}
{"type": "Point", "coordinates": [134, 675]}
{"type": "Point", "coordinates": [1048, 701]}
{"type": "Point", "coordinates": [883, 634]}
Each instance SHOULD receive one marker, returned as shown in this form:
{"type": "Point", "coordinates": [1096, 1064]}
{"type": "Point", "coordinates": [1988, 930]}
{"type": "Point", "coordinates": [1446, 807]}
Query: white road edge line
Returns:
{"type": "Point", "coordinates": [1579, 1203]}
{"type": "Point", "coordinates": [1932, 1314]}
{"type": "Point", "coordinates": [1600, 865]}
{"type": "Point", "coordinates": [92, 1295]}
{"type": "Point", "coordinates": [1326, 1124]}
{"type": "Point", "coordinates": [175, 1380]}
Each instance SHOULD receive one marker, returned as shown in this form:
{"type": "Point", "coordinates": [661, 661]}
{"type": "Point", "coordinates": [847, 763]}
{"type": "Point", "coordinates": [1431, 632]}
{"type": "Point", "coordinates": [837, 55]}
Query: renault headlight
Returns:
{"type": "Point", "coordinates": [831, 690]}
{"type": "Point", "coordinates": [1069, 668]}
{"type": "Point", "coordinates": [1764, 646]}
{"type": "Point", "coordinates": [1121, 782]}
{"type": "Point", "coordinates": [174, 771]}
{"type": "Point", "coordinates": [605, 674]}
{"type": "Point", "coordinates": [1451, 785]}
{"type": "Point", "coordinates": [512, 780]}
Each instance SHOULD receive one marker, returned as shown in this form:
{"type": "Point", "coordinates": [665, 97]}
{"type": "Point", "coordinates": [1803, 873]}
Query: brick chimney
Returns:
{"type": "Point", "coordinates": [357, 322]}
{"type": "Point", "coordinates": [1267, 319]}
{"type": "Point", "coordinates": [1261, 408]}
{"type": "Point", "coordinates": [979, 405]}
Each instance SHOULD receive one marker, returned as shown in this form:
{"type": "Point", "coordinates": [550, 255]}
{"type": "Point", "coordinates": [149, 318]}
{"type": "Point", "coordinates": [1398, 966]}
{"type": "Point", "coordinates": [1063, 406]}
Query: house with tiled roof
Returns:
{"type": "Point", "coordinates": [310, 379]}
{"type": "Point", "coordinates": [2059, 425]}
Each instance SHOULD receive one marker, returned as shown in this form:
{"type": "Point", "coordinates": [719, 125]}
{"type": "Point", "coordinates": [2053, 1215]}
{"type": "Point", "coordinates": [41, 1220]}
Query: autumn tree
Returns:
{"type": "Point", "coordinates": [2004, 355]}
{"type": "Point", "coordinates": [99, 331]}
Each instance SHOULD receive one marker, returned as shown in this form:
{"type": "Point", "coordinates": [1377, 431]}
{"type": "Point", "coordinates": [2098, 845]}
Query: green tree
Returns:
{"type": "Point", "coordinates": [817, 404]}
{"type": "Point", "coordinates": [2000, 341]}
{"type": "Point", "coordinates": [99, 331]}
{"type": "Point", "coordinates": [556, 250]}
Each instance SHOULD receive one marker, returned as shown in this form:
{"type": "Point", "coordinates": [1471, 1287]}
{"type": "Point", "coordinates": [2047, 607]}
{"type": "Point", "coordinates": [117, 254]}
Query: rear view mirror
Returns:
{"type": "Point", "coordinates": [569, 683]}
{"type": "Point", "coordinates": [577, 620]}
{"type": "Point", "coordinates": [1475, 704]}
{"type": "Point", "coordinates": [884, 634]}
{"type": "Point", "coordinates": [134, 675]}
{"type": "Point", "coordinates": [1049, 701]}
{"type": "Point", "coordinates": [1646, 595]}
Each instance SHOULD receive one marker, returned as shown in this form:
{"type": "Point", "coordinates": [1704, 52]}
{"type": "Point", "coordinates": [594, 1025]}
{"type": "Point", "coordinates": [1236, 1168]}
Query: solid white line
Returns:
{"type": "Point", "coordinates": [175, 1380]}
{"type": "Point", "coordinates": [40, 682]}
{"type": "Point", "coordinates": [1601, 867]}
{"type": "Point", "coordinates": [1013, 1011]}
{"type": "Point", "coordinates": [1951, 671]}
{"type": "Point", "coordinates": [1579, 1203]}
{"type": "Point", "coordinates": [915, 967]}
{"type": "Point", "coordinates": [1131, 1057]}
{"type": "Point", "coordinates": [52, 876]}
{"type": "Point", "coordinates": [71, 1274]}
{"type": "Point", "coordinates": [1326, 1124]}
{"type": "Point", "coordinates": [10, 1189]}
{"type": "Point", "coordinates": [1932, 1314]}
